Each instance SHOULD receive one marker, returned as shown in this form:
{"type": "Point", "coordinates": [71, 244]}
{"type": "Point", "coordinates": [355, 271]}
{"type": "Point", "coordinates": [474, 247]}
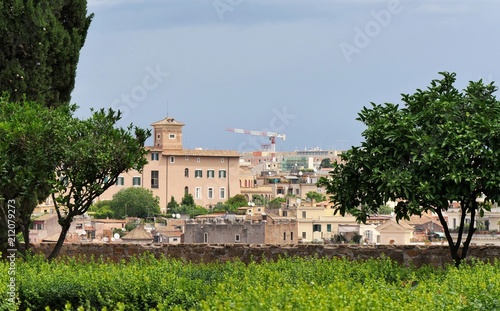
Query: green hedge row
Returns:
{"type": "Point", "coordinates": [146, 283]}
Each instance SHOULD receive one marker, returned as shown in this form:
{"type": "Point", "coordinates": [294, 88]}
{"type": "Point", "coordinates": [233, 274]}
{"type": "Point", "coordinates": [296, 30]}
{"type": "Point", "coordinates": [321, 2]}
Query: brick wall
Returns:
{"type": "Point", "coordinates": [415, 255]}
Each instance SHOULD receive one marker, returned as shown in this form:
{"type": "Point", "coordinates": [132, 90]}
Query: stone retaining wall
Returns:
{"type": "Point", "coordinates": [409, 255]}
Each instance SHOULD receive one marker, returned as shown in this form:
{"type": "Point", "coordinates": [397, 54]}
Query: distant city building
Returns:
{"type": "Point", "coordinates": [252, 228]}
{"type": "Point", "coordinates": [288, 161]}
{"type": "Point", "coordinates": [210, 176]}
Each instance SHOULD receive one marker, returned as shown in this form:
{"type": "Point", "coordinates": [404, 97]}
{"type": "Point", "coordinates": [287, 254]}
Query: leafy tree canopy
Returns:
{"type": "Point", "coordinates": [136, 202]}
{"type": "Point", "coordinates": [326, 163]}
{"type": "Point", "coordinates": [102, 210]}
{"type": "Point", "coordinates": [316, 196]}
{"type": "Point", "coordinates": [238, 200]}
{"type": "Point", "coordinates": [40, 46]}
{"type": "Point", "coordinates": [187, 206]}
{"type": "Point", "coordinates": [188, 200]}
{"type": "Point", "coordinates": [276, 202]}
{"type": "Point", "coordinates": [172, 205]}
{"type": "Point", "coordinates": [443, 145]}
{"type": "Point", "coordinates": [385, 210]}
{"type": "Point", "coordinates": [258, 199]}
{"type": "Point", "coordinates": [97, 152]}
{"type": "Point", "coordinates": [31, 146]}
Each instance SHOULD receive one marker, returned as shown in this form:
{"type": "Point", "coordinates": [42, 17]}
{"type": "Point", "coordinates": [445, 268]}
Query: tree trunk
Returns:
{"type": "Point", "coordinates": [471, 231]}
{"type": "Point", "coordinates": [457, 254]}
{"type": "Point", "coordinates": [64, 230]}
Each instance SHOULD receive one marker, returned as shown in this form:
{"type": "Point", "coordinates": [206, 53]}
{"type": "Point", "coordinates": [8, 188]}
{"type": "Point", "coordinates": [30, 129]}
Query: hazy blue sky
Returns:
{"type": "Point", "coordinates": [303, 68]}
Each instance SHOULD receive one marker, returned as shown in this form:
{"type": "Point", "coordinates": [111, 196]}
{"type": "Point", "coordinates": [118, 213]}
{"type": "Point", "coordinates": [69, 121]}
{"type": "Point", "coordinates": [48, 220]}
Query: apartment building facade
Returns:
{"type": "Point", "coordinates": [210, 176]}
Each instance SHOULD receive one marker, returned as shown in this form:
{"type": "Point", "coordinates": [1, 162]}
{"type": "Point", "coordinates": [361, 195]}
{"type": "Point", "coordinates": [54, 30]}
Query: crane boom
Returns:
{"type": "Point", "coordinates": [272, 135]}
{"type": "Point", "coordinates": [257, 133]}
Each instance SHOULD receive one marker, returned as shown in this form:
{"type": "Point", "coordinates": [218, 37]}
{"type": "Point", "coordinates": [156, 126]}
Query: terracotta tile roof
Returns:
{"type": "Point", "coordinates": [169, 121]}
{"type": "Point", "coordinates": [52, 238]}
{"type": "Point", "coordinates": [417, 220]}
{"type": "Point", "coordinates": [402, 224]}
{"type": "Point", "coordinates": [45, 217]}
{"type": "Point", "coordinates": [202, 153]}
{"type": "Point", "coordinates": [109, 221]}
{"type": "Point", "coordinates": [138, 234]}
{"type": "Point", "coordinates": [172, 225]}
{"type": "Point", "coordinates": [405, 224]}
{"type": "Point", "coordinates": [378, 217]}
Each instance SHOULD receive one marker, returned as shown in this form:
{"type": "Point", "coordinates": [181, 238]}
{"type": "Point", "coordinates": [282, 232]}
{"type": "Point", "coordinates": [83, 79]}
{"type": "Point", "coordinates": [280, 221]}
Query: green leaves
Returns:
{"type": "Point", "coordinates": [31, 138]}
{"type": "Point", "coordinates": [96, 152]}
{"type": "Point", "coordinates": [41, 42]}
{"type": "Point", "coordinates": [147, 283]}
{"type": "Point", "coordinates": [135, 202]}
{"type": "Point", "coordinates": [443, 145]}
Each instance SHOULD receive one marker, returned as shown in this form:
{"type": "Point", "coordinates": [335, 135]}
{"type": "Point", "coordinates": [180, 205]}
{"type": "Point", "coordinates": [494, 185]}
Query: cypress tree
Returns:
{"type": "Point", "coordinates": [40, 43]}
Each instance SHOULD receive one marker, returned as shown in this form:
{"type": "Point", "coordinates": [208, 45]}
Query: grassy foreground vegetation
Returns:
{"type": "Point", "coordinates": [146, 283]}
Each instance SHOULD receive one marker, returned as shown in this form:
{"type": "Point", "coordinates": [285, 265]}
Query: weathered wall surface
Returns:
{"type": "Point", "coordinates": [249, 233]}
{"type": "Point", "coordinates": [415, 255]}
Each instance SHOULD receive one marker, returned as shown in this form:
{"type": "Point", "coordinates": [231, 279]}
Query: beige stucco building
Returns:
{"type": "Point", "coordinates": [392, 232]}
{"type": "Point", "coordinates": [210, 176]}
{"type": "Point", "coordinates": [315, 221]}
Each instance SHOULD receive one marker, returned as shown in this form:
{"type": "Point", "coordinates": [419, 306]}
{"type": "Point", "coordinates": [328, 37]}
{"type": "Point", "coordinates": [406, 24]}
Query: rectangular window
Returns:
{"type": "Point", "coordinates": [198, 173]}
{"type": "Point", "coordinates": [197, 193]}
{"type": "Point", "coordinates": [172, 159]}
{"type": "Point", "coordinates": [120, 181]}
{"type": "Point", "coordinates": [210, 193]}
{"type": "Point", "coordinates": [155, 156]}
{"type": "Point", "coordinates": [237, 238]}
{"type": "Point", "coordinates": [280, 191]}
{"type": "Point", "coordinates": [222, 173]}
{"type": "Point", "coordinates": [154, 179]}
{"type": "Point", "coordinates": [369, 235]}
{"type": "Point", "coordinates": [284, 236]}
{"type": "Point", "coordinates": [297, 191]}
{"type": "Point", "coordinates": [205, 237]}
{"type": "Point", "coordinates": [171, 136]}
{"type": "Point", "coordinates": [285, 214]}
{"type": "Point", "coordinates": [291, 236]}
{"type": "Point", "coordinates": [222, 193]}
{"type": "Point", "coordinates": [304, 235]}
{"type": "Point", "coordinates": [316, 228]}
{"type": "Point", "coordinates": [136, 181]}
{"type": "Point", "coordinates": [210, 173]}
{"type": "Point", "coordinates": [328, 228]}
{"type": "Point", "coordinates": [304, 214]}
